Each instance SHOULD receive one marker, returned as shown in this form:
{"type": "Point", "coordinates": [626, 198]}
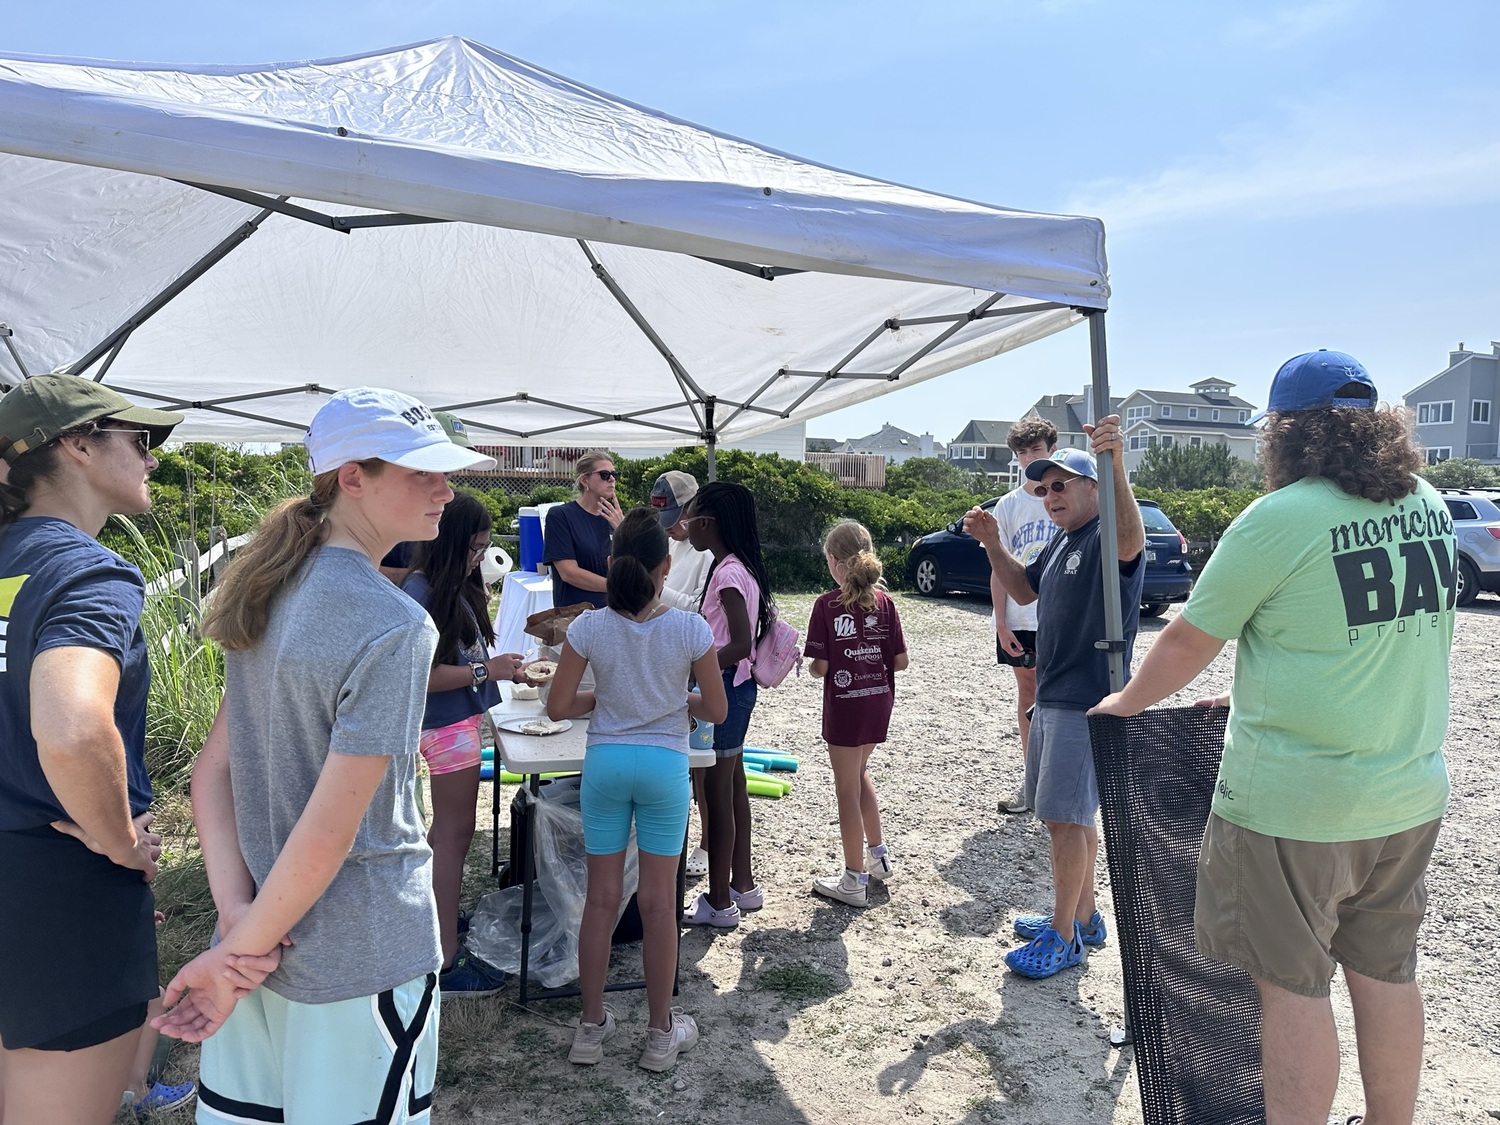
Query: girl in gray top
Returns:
{"type": "Point", "coordinates": [642, 653]}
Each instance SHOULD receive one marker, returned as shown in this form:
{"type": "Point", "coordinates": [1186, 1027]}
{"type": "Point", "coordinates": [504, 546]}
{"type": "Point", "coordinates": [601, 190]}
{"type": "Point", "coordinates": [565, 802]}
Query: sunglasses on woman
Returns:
{"type": "Point", "coordinates": [140, 438]}
{"type": "Point", "coordinates": [607, 474]}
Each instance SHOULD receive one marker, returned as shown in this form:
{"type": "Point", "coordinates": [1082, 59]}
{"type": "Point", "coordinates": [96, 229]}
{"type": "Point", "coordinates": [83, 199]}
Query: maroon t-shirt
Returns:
{"type": "Point", "coordinates": [861, 646]}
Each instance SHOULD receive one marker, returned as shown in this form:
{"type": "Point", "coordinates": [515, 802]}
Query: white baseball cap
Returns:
{"type": "Point", "coordinates": [366, 422]}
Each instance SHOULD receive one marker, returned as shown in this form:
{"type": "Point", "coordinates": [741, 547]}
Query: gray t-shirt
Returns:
{"type": "Point", "coordinates": [641, 671]}
{"type": "Point", "coordinates": [342, 668]}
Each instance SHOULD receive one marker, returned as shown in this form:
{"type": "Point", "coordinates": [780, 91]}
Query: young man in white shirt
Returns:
{"type": "Point", "coordinates": [1025, 528]}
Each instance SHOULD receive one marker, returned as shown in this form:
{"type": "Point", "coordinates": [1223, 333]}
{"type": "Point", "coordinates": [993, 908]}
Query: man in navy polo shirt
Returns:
{"type": "Point", "coordinates": [1071, 676]}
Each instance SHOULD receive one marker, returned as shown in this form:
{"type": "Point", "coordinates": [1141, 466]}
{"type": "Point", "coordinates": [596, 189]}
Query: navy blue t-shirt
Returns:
{"type": "Point", "coordinates": [444, 708]}
{"type": "Point", "coordinates": [1070, 672]}
{"type": "Point", "coordinates": [59, 588]}
{"type": "Point", "coordinates": [572, 533]}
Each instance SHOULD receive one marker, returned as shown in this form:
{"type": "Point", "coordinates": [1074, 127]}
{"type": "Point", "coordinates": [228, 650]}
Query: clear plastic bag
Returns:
{"type": "Point", "coordinates": [557, 905]}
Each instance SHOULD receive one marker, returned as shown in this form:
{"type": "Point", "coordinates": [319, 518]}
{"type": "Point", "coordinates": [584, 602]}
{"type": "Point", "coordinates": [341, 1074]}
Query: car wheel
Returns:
{"type": "Point", "coordinates": [928, 576]}
{"type": "Point", "coordinates": [1153, 609]}
{"type": "Point", "coordinates": [1468, 581]}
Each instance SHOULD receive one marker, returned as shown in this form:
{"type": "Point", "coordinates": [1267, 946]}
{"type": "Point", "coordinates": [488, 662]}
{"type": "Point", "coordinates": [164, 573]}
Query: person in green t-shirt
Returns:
{"type": "Point", "coordinates": [1339, 585]}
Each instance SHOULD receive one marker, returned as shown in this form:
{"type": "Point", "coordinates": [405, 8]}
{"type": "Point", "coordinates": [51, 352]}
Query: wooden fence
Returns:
{"type": "Point", "coordinates": [853, 470]}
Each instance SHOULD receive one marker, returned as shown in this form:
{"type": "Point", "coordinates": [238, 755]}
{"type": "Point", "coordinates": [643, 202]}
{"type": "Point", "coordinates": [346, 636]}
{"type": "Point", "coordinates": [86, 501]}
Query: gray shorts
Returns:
{"type": "Point", "coordinates": [1060, 783]}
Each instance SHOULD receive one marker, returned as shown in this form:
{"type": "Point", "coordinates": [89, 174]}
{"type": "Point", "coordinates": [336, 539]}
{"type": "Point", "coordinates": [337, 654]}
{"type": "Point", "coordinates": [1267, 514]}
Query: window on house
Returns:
{"type": "Point", "coordinates": [1166, 412]}
{"type": "Point", "coordinates": [1195, 441]}
{"type": "Point", "coordinates": [1135, 442]}
{"type": "Point", "coordinates": [1166, 441]}
{"type": "Point", "coordinates": [1151, 440]}
{"type": "Point", "coordinates": [1192, 412]}
{"type": "Point", "coordinates": [1479, 411]}
{"type": "Point", "coordinates": [1434, 413]}
{"type": "Point", "coordinates": [1439, 453]}
{"type": "Point", "coordinates": [1244, 414]}
{"type": "Point", "coordinates": [1213, 416]}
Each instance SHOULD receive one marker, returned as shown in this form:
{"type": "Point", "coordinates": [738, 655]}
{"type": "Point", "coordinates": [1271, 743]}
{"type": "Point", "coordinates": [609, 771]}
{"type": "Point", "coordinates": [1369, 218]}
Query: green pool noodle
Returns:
{"type": "Point", "coordinates": [766, 760]}
{"type": "Point", "coordinates": [763, 788]}
{"type": "Point", "coordinates": [757, 775]}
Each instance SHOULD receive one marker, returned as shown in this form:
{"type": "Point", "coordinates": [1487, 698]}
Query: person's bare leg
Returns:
{"type": "Point", "coordinates": [1072, 864]}
{"type": "Point", "coordinates": [1025, 697]}
{"type": "Point", "coordinates": [718, 788]}
{"type": "Point", "coordinates": [1087, 903]}
{"type": "Point", "coordinates": [869, 803]}
{"type": "Point", "coordinates": [1299, 1056]}
{"type": "Point", "coordinates": [139, 1080]}
{"type": "Point", "coordinates": [80, 1087]}
{"type": "Point", "coordinates": [699, 800]}
{"type": "Point", "coordinates": [656, 895]}
{"type": "Point", "coordinates": [1389, 1030]}
{"type": "Point", "coordinates": [453, 803]}
{"type": "Point", "coordinates": [848, 791]}
{"type": "Point", "coordinates": [601, 907]}
{"type": "Point", "coordinates": [742, 877]}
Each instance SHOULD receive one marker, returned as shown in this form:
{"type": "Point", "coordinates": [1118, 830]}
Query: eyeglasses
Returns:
{"type": "Point", "coordinates": [477, 552]}
{"type": "Point", "coordinates": [1055, 486]}
{"type": "Point", "coordinates": [142, 437]}
{"type": "Point", "coordinates": [607, 474]}
{"type": "Point", "coordinates": [695, 519]}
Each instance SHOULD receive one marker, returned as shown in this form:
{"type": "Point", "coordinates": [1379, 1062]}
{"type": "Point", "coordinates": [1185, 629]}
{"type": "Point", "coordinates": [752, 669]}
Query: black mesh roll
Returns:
{"type": "Point", "coordinates": [1196, 1022]}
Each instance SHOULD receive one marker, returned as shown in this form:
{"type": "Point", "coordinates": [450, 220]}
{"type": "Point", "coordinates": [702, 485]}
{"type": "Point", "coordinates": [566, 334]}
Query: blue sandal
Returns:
{"type": "Point", "coordinates": [1029, 925]}
{"type": "Point", "coordinates": [1046, 954]}
{"type": "Point", "coordinates": [164, 1097]}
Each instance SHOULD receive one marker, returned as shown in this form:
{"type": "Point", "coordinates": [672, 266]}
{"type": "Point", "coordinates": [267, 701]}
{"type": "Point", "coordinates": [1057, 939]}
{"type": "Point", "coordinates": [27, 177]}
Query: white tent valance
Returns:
{"type": "Point", "coordinates": [447, 221]}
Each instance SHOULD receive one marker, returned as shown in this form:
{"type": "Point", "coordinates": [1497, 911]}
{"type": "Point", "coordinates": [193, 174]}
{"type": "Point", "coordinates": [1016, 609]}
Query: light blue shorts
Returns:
{"type": "Point", "coordinates": [647, 782]}
{"type": "Point", "coordinates": [1060, 783]}
{"type": "Point", "coordinates": [373, 1058]}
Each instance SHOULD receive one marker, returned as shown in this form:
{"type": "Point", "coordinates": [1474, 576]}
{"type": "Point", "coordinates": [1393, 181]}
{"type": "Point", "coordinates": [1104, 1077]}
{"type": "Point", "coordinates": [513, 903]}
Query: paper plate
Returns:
{"type": "Point", "coordinates": [515, 725]}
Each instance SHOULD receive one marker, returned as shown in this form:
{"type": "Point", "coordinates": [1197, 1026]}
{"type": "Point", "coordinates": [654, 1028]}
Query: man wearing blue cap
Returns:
{"type": "Point", "coordinates": [1340, 585]}
{"type": "Point", "coordinates": [1072, 675]}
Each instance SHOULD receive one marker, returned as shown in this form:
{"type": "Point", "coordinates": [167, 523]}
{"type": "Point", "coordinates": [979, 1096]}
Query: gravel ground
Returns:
{"type": "Point", "coordinates": [817, 1013]}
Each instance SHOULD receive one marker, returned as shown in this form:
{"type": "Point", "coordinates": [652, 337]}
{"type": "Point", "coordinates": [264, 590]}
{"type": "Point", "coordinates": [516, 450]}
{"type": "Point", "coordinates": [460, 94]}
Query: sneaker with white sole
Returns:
{"type": "Point", "coordinates": [1015, 805]}
{"type": "Point", "coordinates": [753, 899]}
{"type": "Point", "coordinates": [588, 1040]}
{"type": "Point", "coordinates": [663, 1047]}
{"type": "Point", "coordinates": [878, 863]}
{"type": "Point", "coordinates": [850, 888]}
{"type": "Point", "coordinates": [703, 914]}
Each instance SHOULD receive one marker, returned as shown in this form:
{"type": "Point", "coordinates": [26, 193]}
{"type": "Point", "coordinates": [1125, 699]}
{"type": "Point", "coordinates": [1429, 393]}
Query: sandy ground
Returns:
{"type": "Point", "coordinates": [817, 1013]}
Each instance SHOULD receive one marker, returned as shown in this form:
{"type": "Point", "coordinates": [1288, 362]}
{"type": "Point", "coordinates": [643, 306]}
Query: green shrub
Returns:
{"type": "Point", "coordinates": [1462, 472]}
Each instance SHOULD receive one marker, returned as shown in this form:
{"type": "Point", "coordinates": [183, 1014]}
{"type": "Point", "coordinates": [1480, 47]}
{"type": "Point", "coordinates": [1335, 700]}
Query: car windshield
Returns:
{"type": "Point", "coordinates": [1156, 521]}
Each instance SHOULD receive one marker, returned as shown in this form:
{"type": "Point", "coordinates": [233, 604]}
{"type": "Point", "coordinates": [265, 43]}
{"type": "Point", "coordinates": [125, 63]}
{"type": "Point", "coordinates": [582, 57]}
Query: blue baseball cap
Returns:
{"type": "Point", "coordinates": [1320, 380]}
{"type": "Point", "coordinates": [1079, 462]}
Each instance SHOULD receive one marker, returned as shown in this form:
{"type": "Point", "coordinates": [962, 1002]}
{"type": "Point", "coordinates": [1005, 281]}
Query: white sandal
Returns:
{"type": "Point", "coordinates": [697, 864]}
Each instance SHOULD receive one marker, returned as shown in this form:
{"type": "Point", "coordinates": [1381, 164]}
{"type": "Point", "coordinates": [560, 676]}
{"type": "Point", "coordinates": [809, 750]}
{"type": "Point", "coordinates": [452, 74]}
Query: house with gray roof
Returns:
{"type": "Point", "coordinates": [894, 444]}
{"type": "Point", "coordinates": [1207, 413]}
{"type": "Point", "coordinates": [1457, 412]}
{"type": "Point", "coordinates": [980, 448]}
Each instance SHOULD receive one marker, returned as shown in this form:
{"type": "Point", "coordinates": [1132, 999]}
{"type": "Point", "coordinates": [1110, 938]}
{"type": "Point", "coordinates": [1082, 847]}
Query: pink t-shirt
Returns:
{"type": "Point", "coordinates": [731, 574]}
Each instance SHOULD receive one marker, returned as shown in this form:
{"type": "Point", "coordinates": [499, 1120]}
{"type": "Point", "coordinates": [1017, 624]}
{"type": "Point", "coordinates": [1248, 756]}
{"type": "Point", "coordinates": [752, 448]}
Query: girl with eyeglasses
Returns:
{"type": "Point", "coordinates": [738, 605]}
{"type": "Point", "coordinates": [461, 687]}
{"type": "Point", "coordinates": [575, 542]}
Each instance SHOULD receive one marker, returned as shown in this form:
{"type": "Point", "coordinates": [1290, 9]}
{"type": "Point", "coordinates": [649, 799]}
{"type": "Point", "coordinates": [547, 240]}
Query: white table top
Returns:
{"type": "Point", "coordinates": [521, 594]}
{"type": "Point", "coordinates": [550, 753]}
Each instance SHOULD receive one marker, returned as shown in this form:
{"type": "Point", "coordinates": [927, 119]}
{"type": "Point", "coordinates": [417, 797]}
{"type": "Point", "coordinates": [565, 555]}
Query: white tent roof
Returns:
{"type": "Point", "coordinates": [597, 270]}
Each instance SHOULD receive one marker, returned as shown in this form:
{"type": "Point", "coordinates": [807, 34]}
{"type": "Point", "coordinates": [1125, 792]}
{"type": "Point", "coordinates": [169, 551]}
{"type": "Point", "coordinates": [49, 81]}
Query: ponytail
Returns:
{"type": "Point", "coordinates": [637, 549]}
{"type": "Point", "coordinates": [241, 606]}
{"type": "Point", "coordinates": [850, 546]}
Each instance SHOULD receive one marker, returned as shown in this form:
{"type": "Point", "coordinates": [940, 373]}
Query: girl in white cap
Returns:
{"type": "Point", "coordinates": [305, 792]}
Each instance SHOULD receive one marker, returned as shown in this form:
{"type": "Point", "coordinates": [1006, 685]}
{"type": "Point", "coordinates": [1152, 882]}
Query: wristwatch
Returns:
{"type": "Point", "coordinates": [480, 674]}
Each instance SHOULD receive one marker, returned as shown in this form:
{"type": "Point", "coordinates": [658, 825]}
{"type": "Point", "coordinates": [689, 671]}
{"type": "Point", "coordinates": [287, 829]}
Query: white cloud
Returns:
{"type": "Point", "coordinates": [1291, 25]}
{"type": "Point", "coordinates": [1332, 158]}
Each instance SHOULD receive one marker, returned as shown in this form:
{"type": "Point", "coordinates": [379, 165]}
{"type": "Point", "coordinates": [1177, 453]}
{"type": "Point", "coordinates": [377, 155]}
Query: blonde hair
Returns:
{"type": "Point", "coordinates": [850, 545]}
{"type": "Point", "coordinates": [587, 464]}
{"type": "Point", "coordinates": [290, 533]}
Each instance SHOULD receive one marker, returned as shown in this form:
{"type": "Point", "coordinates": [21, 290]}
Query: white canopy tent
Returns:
{"type": "Point", "coordinates": [535, 255]}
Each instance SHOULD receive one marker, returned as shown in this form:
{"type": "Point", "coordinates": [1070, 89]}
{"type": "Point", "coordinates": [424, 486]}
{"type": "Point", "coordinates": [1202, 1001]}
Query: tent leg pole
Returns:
{"type": "Point", "coordinates": [1109, 553]}
{"type": "Point", "coordinates": [711, 437]}
{"type": "Point", "coordinates": [713, 468]}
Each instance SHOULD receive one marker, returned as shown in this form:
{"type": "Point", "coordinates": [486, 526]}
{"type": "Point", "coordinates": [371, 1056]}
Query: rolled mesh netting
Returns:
{"type": "Point", "coordinates": [1195, 1022]}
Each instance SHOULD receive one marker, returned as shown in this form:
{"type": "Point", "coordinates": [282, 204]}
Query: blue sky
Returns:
{"type": "Point", "coordinates": [1273, 177]}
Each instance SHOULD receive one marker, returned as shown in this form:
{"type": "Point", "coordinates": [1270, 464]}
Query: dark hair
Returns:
{"type": "Point", "coordinates": [1030, 430]}
{"type": "Point", "coordinates": [733, 509]}
{"type": "Point", "coordinates": [458, 602]}
{"type": "Point", "coordinates": [27, 470]}
{"type": "Point", "coordinates": [638, 546]}
{"type": "Point", "coordinates": [1368, 453]}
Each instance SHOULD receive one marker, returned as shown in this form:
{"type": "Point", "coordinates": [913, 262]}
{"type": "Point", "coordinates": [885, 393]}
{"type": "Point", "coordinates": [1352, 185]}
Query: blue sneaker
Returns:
{"type": "Point", "coordinates": [471, 977]}
{"type": "Point", "coordinates": [1029, 925]}
{"type": "Point", "coordinates": [1047, 954]}
{"type": "Point", "coordinates": [164, 1097]}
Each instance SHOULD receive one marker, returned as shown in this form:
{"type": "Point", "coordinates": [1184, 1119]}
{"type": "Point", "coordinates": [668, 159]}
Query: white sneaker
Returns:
{"type": "Point", "coordinates": [851, 888]}
{"type": "Point", "coordinates": [703, 914]}
{"type": "Point", "coordinates": [663, 1047]}
{"type": "Point", "coordinates": [753, 899]}
{"type": "Point", "coordinates": [588, 1040]}
{"type": "Point", "coordinates": [879, 866]}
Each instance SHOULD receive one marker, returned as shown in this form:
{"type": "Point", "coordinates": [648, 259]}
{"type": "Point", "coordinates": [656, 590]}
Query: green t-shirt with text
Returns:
{"type": "Point", "coordinates": [1344, 612]}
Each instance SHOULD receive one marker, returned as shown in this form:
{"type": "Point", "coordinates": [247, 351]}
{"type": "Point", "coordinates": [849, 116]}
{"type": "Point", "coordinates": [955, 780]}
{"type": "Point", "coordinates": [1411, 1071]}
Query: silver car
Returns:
{"type": "Point", "coordinates": [1476, 525]}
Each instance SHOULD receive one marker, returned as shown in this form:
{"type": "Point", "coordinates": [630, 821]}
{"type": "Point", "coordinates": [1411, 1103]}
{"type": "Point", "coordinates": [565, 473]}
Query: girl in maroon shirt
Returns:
{"type": "Point", "coordinates": [855, 644]}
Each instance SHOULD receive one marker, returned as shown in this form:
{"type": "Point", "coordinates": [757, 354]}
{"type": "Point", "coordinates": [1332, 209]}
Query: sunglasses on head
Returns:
{"type": "Point", "coordinates": [1052, 486]}
{"type": "Point", "coordinates": [607, 474]}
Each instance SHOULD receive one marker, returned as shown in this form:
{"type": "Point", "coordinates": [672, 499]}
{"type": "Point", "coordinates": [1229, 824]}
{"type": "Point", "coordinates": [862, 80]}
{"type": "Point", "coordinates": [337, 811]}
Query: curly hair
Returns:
{"type": "Point", "coordinates": [1368, 453]}
{"type": "Point", "coordinates": [1030, 430]}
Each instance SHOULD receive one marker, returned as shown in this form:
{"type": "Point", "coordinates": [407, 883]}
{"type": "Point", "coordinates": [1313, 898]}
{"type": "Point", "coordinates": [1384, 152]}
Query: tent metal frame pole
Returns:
{"type": "Point", "coordinates": [711, 437]}
{"type": "Point", "coordinates": [6, 334]}
{"type": "Point", "coordinates": [1113, 642]}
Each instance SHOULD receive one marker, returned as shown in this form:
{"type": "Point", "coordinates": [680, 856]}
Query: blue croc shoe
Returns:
{"type": "Point", "coordinates": [1029, 925]}
{"type": "Point", "coordinates": [163, 1097]}
{"type": "Point", "coordinates": [1046, 954]}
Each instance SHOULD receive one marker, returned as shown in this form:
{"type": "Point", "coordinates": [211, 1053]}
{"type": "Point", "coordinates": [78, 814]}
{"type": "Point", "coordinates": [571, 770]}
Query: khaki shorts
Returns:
{"type": "Point", "coordinates": [1287, 911]}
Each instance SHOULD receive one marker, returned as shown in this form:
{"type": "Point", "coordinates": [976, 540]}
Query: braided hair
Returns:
{"type": "Point", "coordinates": [733, 508]}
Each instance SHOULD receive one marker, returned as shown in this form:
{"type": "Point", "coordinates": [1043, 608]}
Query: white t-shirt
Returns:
{"type": "Point", "coordinates": [683, 588]}
{"type": "Point", "coordinates": [1025, 528]}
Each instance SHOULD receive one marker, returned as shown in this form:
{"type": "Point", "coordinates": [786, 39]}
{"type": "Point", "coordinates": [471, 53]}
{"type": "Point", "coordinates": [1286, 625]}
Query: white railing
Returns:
{"type": "Point", "coordinates": [853, 470]}
{"type": "Point", "coordinates": [188, 577]}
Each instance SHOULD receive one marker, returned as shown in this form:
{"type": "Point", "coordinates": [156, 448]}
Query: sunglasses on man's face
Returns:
{"type": "Point", "coordinates": [607, 474]}
{"type": "Point", "coordinates": [1052, 486]}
